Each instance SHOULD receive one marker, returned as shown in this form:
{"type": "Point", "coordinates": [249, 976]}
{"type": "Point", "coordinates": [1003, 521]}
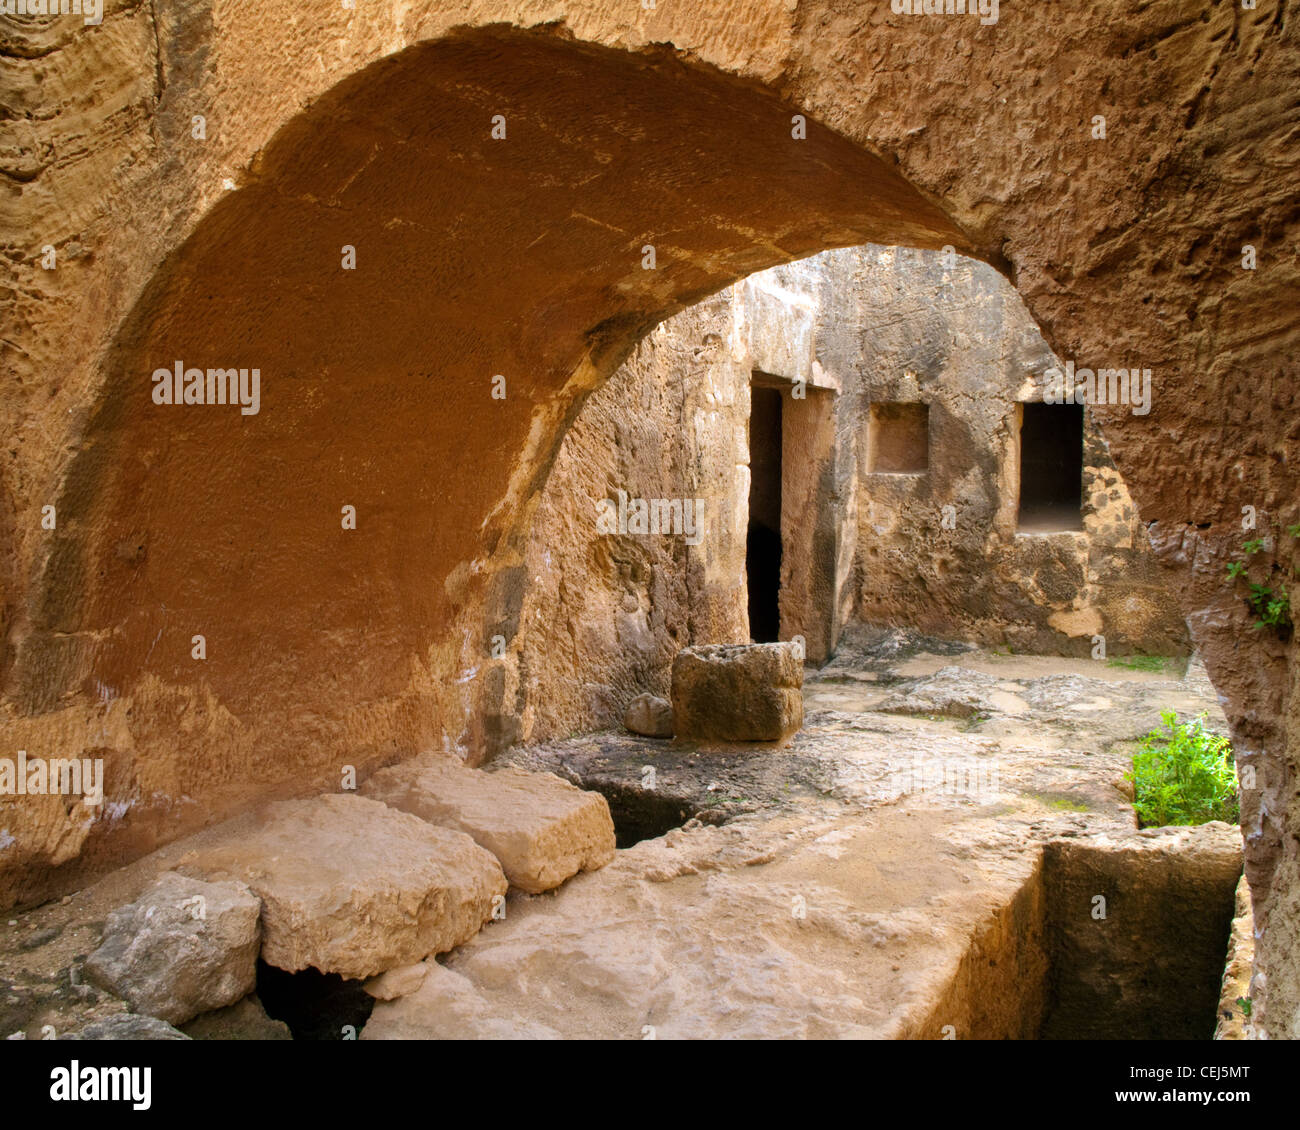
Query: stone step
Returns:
{"type": "Point", "coordinates": [542, 829]}
{"type": "Point", "coordinates": [351, 886]}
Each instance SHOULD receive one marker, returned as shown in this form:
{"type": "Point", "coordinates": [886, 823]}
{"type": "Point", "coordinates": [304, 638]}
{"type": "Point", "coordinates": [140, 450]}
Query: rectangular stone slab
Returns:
{"type": "Point", "coordinates": [350, 886]}
{"type": "Point", "coordinates": [541, 828]}
{"type": "Point", "coordinates": [738, 692]}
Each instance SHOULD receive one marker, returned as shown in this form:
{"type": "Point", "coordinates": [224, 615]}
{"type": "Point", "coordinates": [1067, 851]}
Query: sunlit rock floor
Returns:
{"type": "Point", "coordinates": [829, 888]}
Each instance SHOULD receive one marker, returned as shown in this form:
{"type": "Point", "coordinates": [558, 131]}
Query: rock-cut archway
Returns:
{"type": "Point", "coordinates": [520, 208]}
{"type": "Point", "coordinates": [523, 257]}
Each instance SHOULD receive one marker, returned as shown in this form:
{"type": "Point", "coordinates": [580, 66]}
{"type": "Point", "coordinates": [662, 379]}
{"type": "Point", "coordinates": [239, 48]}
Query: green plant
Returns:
{"type": "Point", "coordinates": [1183, 774]}
{"type": "Point", "coordinates": [1271, 606]}
{"type": "Point", "coordinates": [1155, 663]}
{"type": "Point", "coordinates": [1246, 1005]}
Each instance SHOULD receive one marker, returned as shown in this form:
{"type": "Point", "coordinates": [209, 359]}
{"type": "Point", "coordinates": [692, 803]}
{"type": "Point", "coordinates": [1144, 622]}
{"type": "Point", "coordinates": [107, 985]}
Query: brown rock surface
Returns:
{"type": "Point", "coordinates": [446, 1006]}
{"type": "Point", "coordinates": [738, 692]}
{"type": "Point", "coordinates": [650, 716]}
{"type": "Point", "coordinates": [127, 1026]}
{"type": "Point", "coordinates": [244, 1020]}
{"type": "Point", "coordinates": [399, 982]}
{"type": "Point", "coordinates": [1128, 247]}
{"type": "Point", "coordinates": [801, 926]}
{"type": "Point", "coordinates": [542, 830]}
{"type": "Point", "coordinates": [1159, 936]}
{"type": "Point", "coordinates": [1236, 1020]}
{"type": "Point", "coordinates": [922, 908]}
{"type": "Point", "coordinates": [603, 615]}
{"type": "Point", "coordinates": [352, 887]}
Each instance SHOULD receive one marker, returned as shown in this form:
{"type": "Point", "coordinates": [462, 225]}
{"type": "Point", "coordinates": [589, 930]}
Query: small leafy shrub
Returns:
{"type": "Point", "coordinates": [1271, 605]}
{"type": "Point", "coordinates": [1272, 608]}
{"type": "Point", "coordinates": [1183, 774]}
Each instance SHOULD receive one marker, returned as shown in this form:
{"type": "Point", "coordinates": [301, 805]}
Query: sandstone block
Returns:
{"type": "Point", "coordinates": [738, 692]}
{"type": "Point", "coordinates": [1175, 882]}
{"type": "Point", "coordinates": [1232, 1022]}
{"type": "Point", "coordinates": [541, 828]}
{"type": "Point", "coordinates": [399, 982]}
{"type": "Point", "coordinates": [350, 886]}
{"type": "Point", "coordinates": [182, 948]}
{"type": "Point", "coordinates": [650, 716]}
{"type": "Point", "coordinates": [447, 1007]}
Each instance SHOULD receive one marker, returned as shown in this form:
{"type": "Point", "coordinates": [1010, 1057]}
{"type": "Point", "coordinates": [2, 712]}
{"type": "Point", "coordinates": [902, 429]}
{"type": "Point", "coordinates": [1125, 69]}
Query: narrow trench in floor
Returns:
{"type": "Point", "coordinates": [1096, 945]}
{"type": "Point", "coordinates": [639, 813]}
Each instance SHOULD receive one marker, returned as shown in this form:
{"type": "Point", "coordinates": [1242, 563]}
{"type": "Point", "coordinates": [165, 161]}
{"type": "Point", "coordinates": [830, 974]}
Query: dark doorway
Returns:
{"type": "Point", "coordinates": [763, 543]}
{"type": "Point", "coordinates": [1051, 468]}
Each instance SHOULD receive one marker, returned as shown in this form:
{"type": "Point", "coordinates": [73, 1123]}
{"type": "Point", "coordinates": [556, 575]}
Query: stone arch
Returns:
{"type": "Point", "coordinates": [327, 646]}
{"type": "Point", "coordinates": [1131, 250]}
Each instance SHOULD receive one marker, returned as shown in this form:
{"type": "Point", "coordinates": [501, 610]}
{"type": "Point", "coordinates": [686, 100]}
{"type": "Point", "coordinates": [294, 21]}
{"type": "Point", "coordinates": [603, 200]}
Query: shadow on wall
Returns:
{"type": "Point", "coordinates": [338, 547]}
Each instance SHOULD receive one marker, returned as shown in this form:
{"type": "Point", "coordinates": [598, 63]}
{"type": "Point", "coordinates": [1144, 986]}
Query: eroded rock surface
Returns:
{"type": "Point", "coordinates": [799, 927]}
{"type": "Point", "coordinates": [843, 890]}
{"type": "Point", "coordinates": [243, 1020]}
{"type": "Point", "coordinates": [1150, 275]}
{"type": "Point", "coordinates": [183, 948]}
{"type": "Point", "coordinates": [1140, 922]}
{"type": "Point", "coordinates": [447, 1006]}
{"type": "Point", "coordinates": [350, 886]}
{"type": "Point", "coordinates": [540, 828]}
{"type": "Point", "coordinates": [650, 716]}
{"type": "Point", "coordinates": [889, 865]}
{"type": "Point", "coordinates": [954, 692]}
{"type": "Point", "coordinates": [127, 1026]}
{"type": "Point", "coordinates": [399, 982]}
{"type": "Point", "coordinates": [737, 692]}
{"type": "Point", "coordinates": [1236, 1017]}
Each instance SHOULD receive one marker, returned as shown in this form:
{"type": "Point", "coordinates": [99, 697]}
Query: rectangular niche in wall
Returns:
{"type": "Point", "coordinates": [898, 438]}
{"type": "Point", "coordinates": [1051, 468]}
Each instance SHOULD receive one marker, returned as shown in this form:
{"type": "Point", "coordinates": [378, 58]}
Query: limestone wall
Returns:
{"type": "Point", "coordinates": [604, 614]}
{"type": "Point", "coordinates": [959, 341]}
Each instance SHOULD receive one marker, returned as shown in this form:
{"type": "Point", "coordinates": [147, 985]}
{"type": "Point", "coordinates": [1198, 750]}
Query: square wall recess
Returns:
{"type": "Point", "coordinates": [898, 438]}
